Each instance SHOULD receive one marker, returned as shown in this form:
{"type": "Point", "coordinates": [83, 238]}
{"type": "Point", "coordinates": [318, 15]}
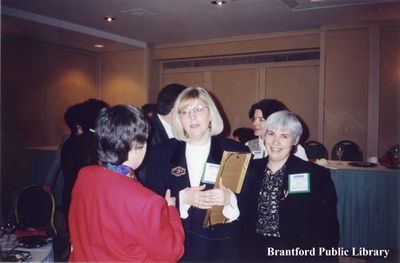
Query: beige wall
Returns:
{"type": "Point", "coordinates": [236, 90]}
{"type": "Point", "coordinates": [38, 83]}
{"type": "Point", "coordinates": [239, 45]}
{"type": "Point", "coordinates": [337, 98]}
{"type": "Point", "coordinates": [238, 87]}
{"type": "Point", "coordinates": [389, 110]}
{"type": "Point", "coordinates": [346, 86]}
{"type": "Point", "coordinates": [123, 77]}
{"type": "Point", "coordinates": [297, 87]}
{"type": "Point", "coordinates": [193, 78]}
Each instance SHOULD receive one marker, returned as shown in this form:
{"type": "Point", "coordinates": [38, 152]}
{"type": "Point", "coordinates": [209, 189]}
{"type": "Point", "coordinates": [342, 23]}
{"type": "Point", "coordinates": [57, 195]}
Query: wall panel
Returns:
{"type": "Point", "coordinates": [297, 87]}
{"type": "Point", "coordinates": [123, 78]}
{"type": "Point", "coordinates": [346, 86]}
{"type": "Point", "coordinates": [187, 78]}
{"type": "Point", "coordinates": [389, 112]}
{"type": "Point", "coordinates": [236, 90]}
{"type": "Point", "coordinates": [240, 45]}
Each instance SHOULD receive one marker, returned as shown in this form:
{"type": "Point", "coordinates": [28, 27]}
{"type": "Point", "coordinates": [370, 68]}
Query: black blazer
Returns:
{"type": "Point", "coordinates": [167, 169]}
{"type": "Point", "coordinates": [306, 220]}
{"type": "Point", "coordinates": [157, 135]}
{"type": "Point", "coordinates": [77, 152]}
{"type": "Point", "coordinates": [157, 131]}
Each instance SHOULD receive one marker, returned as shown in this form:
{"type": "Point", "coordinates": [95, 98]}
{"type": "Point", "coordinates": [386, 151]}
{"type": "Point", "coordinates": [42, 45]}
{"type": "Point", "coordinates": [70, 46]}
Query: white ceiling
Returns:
{"type": "Point", "coordinates": [140, 23]}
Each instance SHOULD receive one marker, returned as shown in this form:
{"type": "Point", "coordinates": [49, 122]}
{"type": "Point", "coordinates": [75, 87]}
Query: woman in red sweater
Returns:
{"type": "Point", "coordinates": [112, 216]}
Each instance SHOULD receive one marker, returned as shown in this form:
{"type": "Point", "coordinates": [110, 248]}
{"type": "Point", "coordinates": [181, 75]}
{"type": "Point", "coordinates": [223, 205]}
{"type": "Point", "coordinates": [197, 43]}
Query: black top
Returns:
{"type": "Point", "coordinates": [157, 132]}
{"type": "Point", "coordinates": [167, 169]}
{"type": "Point", "coordinates": [77, 152]}
{"type": "Point", "coordinates": [306, 220]}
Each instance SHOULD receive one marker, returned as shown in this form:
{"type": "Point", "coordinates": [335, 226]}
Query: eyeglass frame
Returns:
{"type": "Point", "coordinates": [196, 111]}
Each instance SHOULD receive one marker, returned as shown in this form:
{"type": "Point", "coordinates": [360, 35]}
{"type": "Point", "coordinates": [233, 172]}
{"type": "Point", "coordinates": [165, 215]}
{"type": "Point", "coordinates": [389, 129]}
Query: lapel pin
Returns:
{"type": "Point", "coordinates": [178, 171]}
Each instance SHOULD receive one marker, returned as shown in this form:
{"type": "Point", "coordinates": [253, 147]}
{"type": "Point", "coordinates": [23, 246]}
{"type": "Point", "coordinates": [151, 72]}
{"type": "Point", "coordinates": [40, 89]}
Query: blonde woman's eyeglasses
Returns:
{"type": "Point", "coordinates": [195, 111]}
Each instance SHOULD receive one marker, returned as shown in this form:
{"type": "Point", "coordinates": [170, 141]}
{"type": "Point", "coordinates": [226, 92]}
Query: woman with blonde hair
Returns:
{"type": "Point", "coordinates": [187, 165]}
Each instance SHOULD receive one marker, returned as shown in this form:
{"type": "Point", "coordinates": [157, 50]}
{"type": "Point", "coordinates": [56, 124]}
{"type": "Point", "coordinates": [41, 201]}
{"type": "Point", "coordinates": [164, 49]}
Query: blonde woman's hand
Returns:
{"type": "Point", "coordinates": [170, 199]}
{"type": "Point", "coordinates": [219, 196]}
{"type": "Point", "coordinates": [195, 196]}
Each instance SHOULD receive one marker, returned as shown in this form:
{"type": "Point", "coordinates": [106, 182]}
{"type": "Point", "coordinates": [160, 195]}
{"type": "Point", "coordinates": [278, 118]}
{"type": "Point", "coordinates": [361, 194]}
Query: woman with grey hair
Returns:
{"type": "Point", "coordinates": [187, 165]}
{"type": "Point", "coordinates": [290, 202]}
{"type": "Point", "coordinates": [258, 113]}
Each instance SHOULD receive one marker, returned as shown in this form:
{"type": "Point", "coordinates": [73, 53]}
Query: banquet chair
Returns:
{"type": "Point", "coordinates": [315, 150]}
{"type": "Point", "coordinates": [346, 151]}
{"type": "Point", "coordinates": [391, 158]}
{"type": "Point", "coordinates": [395, 150]}
{"type": "Point", "coordinates": [35, 209]}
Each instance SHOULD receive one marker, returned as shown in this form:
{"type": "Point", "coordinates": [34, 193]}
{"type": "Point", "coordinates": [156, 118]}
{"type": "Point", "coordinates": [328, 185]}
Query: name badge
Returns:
{"type": "Point", "coordinates": [299, 183]}
{"type": "Point", "coordinates": [258, 154]}
{"type": "Point", "coordinates": [210, 173]}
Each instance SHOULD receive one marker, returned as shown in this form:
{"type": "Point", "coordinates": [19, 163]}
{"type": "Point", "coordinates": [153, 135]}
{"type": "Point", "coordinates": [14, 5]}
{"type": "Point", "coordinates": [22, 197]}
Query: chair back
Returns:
{"type": "Point", "coordinates": [347, 151]}
{"type": "Point", "coordinates": [35, 208]}
{"type": "Point", "coordinates": [394, 156]}
{"type": "Point", "coordinates": [395, 150]}
{"type": "Point", "coordinates": [315, 150]}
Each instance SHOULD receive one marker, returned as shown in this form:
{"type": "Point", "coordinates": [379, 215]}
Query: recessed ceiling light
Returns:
{"type": "Point", "coordinates": [109, 18]}
{"type": "Point", "coordinates": [98, 45]}
{"type": "Point", "coordinates": [218, 2]}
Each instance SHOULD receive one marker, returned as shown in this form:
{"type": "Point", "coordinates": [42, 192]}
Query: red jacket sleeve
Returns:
{"type": "Point", "coordinates": [163, 236]}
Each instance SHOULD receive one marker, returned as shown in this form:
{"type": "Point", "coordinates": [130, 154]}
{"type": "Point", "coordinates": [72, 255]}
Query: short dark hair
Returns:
{"type": "Point", "coordinates": [167, 96]}
{"type": "Point", "coordinates": [244, 134]}
{"type": "Point", "coordinates": [149, 108]}
{"type": "Point", "coordinates": [118, 129]}
{"type": "Point", "coordinates": [267, 106]}
{"type": "Point", "coordinates": [91, 109]}
{"type": "Point", "coordinates": [72, 116]}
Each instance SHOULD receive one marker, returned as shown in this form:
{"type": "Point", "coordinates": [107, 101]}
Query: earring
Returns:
{"type": "Point", "coordinates": [209, 125]}
{"type": "Point", "coordinates": [185, 134]}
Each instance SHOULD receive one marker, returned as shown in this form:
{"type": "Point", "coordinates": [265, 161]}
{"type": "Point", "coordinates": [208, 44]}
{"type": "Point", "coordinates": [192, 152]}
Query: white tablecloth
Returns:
{"type": "Point", "coordinates": [344, 165]}
{"type": "Point", "coordinates": [42, 254]}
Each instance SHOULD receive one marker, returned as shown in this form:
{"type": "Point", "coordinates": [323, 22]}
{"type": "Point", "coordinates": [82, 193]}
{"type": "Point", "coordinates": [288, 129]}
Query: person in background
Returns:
{"type": "Point", "coordinates": [186, 165]}
{"type": "Point", "coordinates": [71, 117]}
{"type": "Point", "coordinates": [79, 151]}
{"type": "Point", "coordinates": [290, 202]}
{"type": "Point", "coordinates": [243, 134]}
{"type": "Point", "coordinates": [258, 113]}
{"type": "Point", "coordinates": [161, 121]}
{"type": "Point", "coordinates": [149, 109]}
{"type": "Point", "coordinates": [112, 216]}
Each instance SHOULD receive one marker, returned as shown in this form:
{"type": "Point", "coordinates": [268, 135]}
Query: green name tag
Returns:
{"type": "Point", "coordinates": [210, 173]}
{"type": "Point", "coordinates": [299, 183]}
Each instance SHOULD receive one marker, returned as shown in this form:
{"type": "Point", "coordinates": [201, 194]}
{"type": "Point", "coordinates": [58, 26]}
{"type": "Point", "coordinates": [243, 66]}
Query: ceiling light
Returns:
{"type": "Point", "coordinates": [98, 45]}
{"type": "Point", "coordinates": [218, 2]}
{"type": "Point", "coordinates": [109, 18]}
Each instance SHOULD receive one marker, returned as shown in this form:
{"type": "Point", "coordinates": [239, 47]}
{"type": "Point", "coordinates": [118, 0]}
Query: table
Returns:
{"type": "Point", "coordinates": [39, 161]}
{"type": "Point", "coordinates": [41, 254]}
{"type": "Point", "coordinates": [368, 205]}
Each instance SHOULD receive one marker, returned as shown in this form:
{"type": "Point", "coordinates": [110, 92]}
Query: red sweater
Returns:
{"type": "Point", "coordinates": [115, 218]}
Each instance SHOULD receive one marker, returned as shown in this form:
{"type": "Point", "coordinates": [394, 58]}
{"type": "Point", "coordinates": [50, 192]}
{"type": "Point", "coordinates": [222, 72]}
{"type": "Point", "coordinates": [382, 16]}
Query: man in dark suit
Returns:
{"type": "Point", "coordinates": [161, 121]}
